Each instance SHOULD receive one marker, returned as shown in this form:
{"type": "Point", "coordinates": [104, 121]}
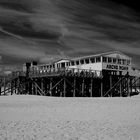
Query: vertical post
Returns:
{"type": "Point", "coordinates": [15, 84]}
{"type": "Point", "coordinates": [135, 86]}
{"type": "Point", "coordinates": [101, 87]}
{"type": "Point", "coordinates": [32, 88]}
{"type": "Point", "coordinates": [51, 87]}
{"type": "Point", "coordinates": [110, 84]}
{"type": "Point", "coordinates": [120, 88]}
{"type": "Point", "coordinates": [35, 89]}
{"type": "Point", "coordinates": [60, 90]}
{"type": "Point", "coordinates": [18, 82]}
{"type": "Point", "coordinates": [0, 90]}
{"type": "Point", "coordinates": [128, 86]}
{"type": "Point", "coordinates": [74, 91]}
{"type": "Point", "coordinates": [139, 84]}
{"type": "Point", "coordinates": [91, 88]}
{"type": "Point", "coordinates": [64, 87]}
{"type": "Point", "coordinates": [4, 84]}
{"type": "Point", "coordinates": [11, 87]}
{"type": "Point", "coordinates": [83, 84]}
{"type": "Point", "coordinates": [42, 84]}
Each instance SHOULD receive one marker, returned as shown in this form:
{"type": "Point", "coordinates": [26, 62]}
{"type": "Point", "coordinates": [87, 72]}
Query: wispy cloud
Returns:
{"type": "Point", "coordinates": [66, 28]}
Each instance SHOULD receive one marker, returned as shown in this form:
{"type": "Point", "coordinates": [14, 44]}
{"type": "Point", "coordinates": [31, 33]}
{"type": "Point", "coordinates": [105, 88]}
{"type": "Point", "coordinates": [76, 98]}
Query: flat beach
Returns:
{"type": "Point", "coordinates": [27, 117]}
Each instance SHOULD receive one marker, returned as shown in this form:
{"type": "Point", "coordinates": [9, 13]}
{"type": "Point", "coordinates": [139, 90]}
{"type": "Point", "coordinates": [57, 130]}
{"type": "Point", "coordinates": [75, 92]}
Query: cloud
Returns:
{"type": "Point", "coordinates": [0, 59]}
{"type": "Point", "coordinates": [71, 28]}
{"type": "Point", "coordinates": [16, 49]}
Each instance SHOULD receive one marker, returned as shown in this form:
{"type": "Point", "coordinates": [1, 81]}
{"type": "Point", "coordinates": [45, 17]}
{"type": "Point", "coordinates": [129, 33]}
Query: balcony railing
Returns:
{"type": "Point", "coordinates": [66, 72]}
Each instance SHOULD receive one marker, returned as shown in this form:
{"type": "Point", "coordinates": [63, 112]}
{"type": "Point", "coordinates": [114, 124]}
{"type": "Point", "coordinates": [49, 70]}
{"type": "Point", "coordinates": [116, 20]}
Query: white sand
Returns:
{"type": "Point", "coordinates": [50, 118]}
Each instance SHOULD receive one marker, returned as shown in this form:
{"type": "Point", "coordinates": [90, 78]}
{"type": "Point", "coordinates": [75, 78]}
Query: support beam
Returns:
{"type": "Point", "coordinates": [35, 89]}
{"type": "Point", "coordinates": [102, 88]}
{"type": "Point", "coordinates": [64, 88]}
{"type": "Point", "coordinates": [110, 85]}
{"type": "Point", "coordinates": [15, 85]}
{"type": "Point", "coordinates": [0, 90]}
{"type": "Point", "coordinates": [83, 86]}
{"type": "Point", "coordinates": [4, 84]}
{"type": "Point", "coordinates": [42, 84]}
{"type": "Point", "coordinates": [74, 88]}
{"type": "Point", "coordinates": [120, 87]}
{"type": "Point", "coordinates": [11, 84]}
{"type": "Point", "coordinates": [18, 84]}
{"type": "Point", "coordinates": [139, 85]}
{"type": "Point", "coordinates": [91, 88]}
{"type": "Point", "coordinates": [135, 85]}
{"type": "Point", "coordinates": [50, 87]}
{"type": "Point", "coordinates": [128, 86]}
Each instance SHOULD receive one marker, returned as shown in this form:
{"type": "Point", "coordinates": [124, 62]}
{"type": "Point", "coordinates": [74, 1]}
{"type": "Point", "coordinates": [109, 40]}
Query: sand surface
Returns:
{"type": "Point", "coordinates": [24, 117]}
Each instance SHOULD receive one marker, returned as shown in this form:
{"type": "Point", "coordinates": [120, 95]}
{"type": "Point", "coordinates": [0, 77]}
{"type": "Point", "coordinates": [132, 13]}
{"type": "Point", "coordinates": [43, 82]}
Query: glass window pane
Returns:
{"type": "Point", "coordinates": [114, 60]}
{"type": "Point", "coordinates": [119, 61]}
{"type": "Point", "coordinates": [105, 59]}
{"type": "Point", "coordinates": [72, 63]}
{"type": "Point", "coordinates": [92, 60]}
{"type": "Point", "coordinates": [109, 60]}
{"type": "Point", "coordinates": [98, 59]}
{"type": "Point", "coordinates": [82, 61]}
{"type": "Point", "coordinates": [128, 62]}
{"type": "Point", "coordinates": [87, 61]}
{"type": "Point", "coordinates": [124, 62]}
{"type": "Point", "coordinates": [77, 62]}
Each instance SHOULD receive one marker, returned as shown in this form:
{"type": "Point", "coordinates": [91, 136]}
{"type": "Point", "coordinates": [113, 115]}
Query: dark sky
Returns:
{"type": "Point", "coordinates": [45, 30]}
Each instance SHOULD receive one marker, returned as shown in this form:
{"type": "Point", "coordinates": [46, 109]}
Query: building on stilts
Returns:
{"type": "Point", "coordinates": [107, 74]}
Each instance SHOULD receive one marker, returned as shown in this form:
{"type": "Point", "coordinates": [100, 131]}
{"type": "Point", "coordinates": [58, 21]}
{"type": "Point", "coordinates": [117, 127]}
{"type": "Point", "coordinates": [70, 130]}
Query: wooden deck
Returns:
{"type": "Point", "coordinates": [69, 83]}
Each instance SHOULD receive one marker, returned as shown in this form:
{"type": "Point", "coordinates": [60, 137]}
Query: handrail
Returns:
{"type": "Point", "coordinates": [65, 71]}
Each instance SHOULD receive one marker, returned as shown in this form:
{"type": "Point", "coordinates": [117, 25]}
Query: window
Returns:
{"type": "Point", "coordinates": [72, 63]}
{"type": "Point", "coordinates": [98, 59]}
{"type": "Point", "coordinates": [77, 62]}
{"type": "Point", "coordinates": [124, 62]}
{"type": "Point", "coordinates": [105, 59]}
{"type": "Point", "coordinates": [92, 60]}
{"type": "Point", "coordinates": [67, 63]}
{"type": "Point", "coordinates": [128, 62]}
{"type": "Point", "coordinates": [114, 60]}
{"type": "Point", "coordinates": [87, 61]}
{"type": "Point", "coordinates": [119, 61]}
{"type": "Point", "coordinates": [82, 61]}
{"type": "Point", "coordinates": [63, 65]}
{"type": "Point", "coordinates": [109, 60]}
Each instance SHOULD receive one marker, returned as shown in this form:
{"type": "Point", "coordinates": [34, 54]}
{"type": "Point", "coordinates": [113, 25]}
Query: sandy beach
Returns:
{"type": "Point", "coordinates": [24, 117]}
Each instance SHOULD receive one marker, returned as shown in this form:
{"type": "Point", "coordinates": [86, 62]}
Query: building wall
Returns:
{"type": "Point", "coordinates": [90, 66]}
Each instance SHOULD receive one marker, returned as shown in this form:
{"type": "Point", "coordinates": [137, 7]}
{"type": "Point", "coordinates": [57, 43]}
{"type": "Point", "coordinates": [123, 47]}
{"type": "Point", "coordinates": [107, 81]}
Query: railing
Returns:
{"type": "Point", "coordinates": [66, 72]}
{"type": "Point", "coordinates": [51, 72]}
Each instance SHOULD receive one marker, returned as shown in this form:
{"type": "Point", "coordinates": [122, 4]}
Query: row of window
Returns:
{"type": "Point", "coordinates": [116, 61]}
{"type": "Point", "coordinates": [89, 60]}
{"type": "Point", "coordinates": [73, 63]}
{"type": "Point", "coordinates": [47, 66]}
{"type": "Point", "coordinates": [86, 61]}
